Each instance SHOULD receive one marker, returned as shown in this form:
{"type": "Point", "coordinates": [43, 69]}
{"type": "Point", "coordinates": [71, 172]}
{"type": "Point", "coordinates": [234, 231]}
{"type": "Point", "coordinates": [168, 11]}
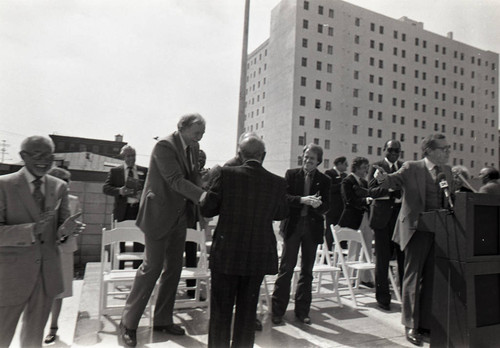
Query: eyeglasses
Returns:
{"type": "Point", "coordinates": [394, 150]}
{"type": "Point", "coordinates": [39, 156]}
{"type": "Point", "coordinates": [444, 148]}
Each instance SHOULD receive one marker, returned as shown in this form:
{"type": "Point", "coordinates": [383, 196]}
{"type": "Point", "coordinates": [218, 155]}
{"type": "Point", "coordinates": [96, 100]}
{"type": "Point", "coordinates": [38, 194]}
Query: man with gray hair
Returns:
{"type": "Point", "coordinates": [247, 199]}
{"type": "Point", "coordinates": [168, 206]}
{"type": "Point", "coordinates": [33, 209]}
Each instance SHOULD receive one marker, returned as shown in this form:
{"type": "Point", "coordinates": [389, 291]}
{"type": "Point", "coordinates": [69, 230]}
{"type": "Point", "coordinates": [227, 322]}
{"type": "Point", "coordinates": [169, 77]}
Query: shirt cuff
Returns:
{"type": "Point", "coordinates": [202, 197]}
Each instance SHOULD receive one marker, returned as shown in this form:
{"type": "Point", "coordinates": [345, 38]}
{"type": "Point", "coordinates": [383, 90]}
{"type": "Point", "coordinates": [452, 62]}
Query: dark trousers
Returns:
{"type": "Point", "coordinates": [418, 281]}
{"type": "Point", "coordinates": [131, 214]}
{"type": "Point", "coordinates": [385, 248]}
{"type": "Point", "coordinates": [190, 250]}
{"type": "Point", "coordinates": [228, 290]}
{"type": "Point", "coordinates": [301, 238]}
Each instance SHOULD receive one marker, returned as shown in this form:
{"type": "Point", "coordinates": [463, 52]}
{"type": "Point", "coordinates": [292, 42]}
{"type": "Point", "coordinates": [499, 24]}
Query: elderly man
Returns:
{"type": "Point", "coordinates": [489, 177]}
{"type": "Point", "coordinates": [168, 206]}
{"type": "Point", "coordinates": [125, 183]}
{"type": "Point", "coordinates": [247, 199]}
{"type": "Point", "coordinates": [419, 182]}
{"type": "Point", "coordinates": [307, 194]}
{"type": "Point", "coordinates": [33, 207]}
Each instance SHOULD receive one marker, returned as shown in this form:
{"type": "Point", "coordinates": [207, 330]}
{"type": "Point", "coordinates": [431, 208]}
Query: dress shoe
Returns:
{"type": "Point", "coordinates": [413, 336]}
{"type": "Point", "coordinates": [277, 319]}
{"type": "Point", "coordinates": [384, 306]}
{"type": "Point", "coordinates": [304, 319]}
{"type": "Point", "coordinates": [50, 338]}
{"type": "Point", "coordinates": [368, 284]}
{"type": "Point", "coordinates": [173, 329]}
{"type": "Point", "coordinates": [426, 333]}
{"type": "Point", "coordinates": [258, 325]}
{"type": "Point", "coordinates": [128, 336]}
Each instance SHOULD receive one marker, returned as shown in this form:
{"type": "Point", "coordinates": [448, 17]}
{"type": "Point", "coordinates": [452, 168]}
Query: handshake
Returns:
{"type": "Point", "coordinates": [314, 200]}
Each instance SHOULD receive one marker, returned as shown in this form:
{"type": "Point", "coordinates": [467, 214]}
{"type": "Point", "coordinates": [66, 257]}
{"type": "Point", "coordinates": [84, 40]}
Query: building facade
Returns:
{"type": "Point", "coordinates": [349, 79]}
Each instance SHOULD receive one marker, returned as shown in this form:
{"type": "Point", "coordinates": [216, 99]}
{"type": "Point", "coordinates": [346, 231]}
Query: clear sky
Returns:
{"type": "Point", "coordinates": [96, 68]}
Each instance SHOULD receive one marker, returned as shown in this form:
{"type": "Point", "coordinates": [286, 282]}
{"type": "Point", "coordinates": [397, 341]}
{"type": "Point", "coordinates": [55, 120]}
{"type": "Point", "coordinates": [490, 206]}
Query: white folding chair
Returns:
{"type": "Point", "coordinates": [125, 256]}
{"type": "Point", "coordinates": [112, 301]}
{"type": "Point", "coordinates": [360, 261]}
{"type": "Point", "coordinates": [201, 273]}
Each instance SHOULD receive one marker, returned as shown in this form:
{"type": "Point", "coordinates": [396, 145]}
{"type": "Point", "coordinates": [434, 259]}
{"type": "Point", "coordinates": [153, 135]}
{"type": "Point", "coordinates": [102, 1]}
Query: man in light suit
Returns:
{"type": "Point", "coordinates": [247, 199]}
{"type": "Point", "coordinates": [307, 195]}
{"type": "Point", "coordinates": [384, 213]}
{"type": "Point", "coordinates": [168, 206]}
{"type": "Point", "coordinates": [419, 181]}
{"type": "Point", "coordinates": [33, 206]}
{"type": "Point", "coordinates": [125, 183]}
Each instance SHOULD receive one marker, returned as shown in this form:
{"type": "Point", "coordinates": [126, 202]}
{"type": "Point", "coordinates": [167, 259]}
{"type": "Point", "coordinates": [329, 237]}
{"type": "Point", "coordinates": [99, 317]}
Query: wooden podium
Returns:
{"type": "Point", "coordinates": [466, 298]}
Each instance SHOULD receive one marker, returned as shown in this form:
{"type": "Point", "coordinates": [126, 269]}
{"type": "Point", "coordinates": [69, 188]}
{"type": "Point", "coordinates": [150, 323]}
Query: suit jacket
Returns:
{"type": "Point", "coordinates": [114, 181]}
{"type": "Point", "coordinates": [171, 189]}
{"type": "Point", "coordinates": [491, 187]}
{"type": "Point", "coordinates": [336, 202]}
{"type": "Point", "coordinates": [411, 179]}
{"type": "Point", "coordinates": [295, 190]}
{"type": "Point", "coordinates": [354, 196]}
{"type": "Point", "coordinates": [22, 255]}
{"type": "Point", "coordinates": [381, 210]}
{"type": "Point", "coordinates": [247, 199]}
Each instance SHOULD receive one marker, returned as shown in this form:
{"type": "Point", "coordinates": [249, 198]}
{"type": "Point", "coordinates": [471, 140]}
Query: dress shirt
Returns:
{"type": "Point", "coordinates": [131, 200]}
{"type": "Point", "coordinates": [430, 167]}
{"type": "Point", "coordinates": [30, 178]}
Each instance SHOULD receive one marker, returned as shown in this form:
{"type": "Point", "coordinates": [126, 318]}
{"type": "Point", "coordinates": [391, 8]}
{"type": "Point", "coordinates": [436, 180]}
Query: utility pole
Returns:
{"type": "Point", "coordinates": [3, 149]}
{"type": "Point", "coordinates": [243, 74]}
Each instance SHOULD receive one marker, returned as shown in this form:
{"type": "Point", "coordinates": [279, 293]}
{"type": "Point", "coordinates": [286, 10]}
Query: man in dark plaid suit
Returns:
{"type": "Point", "coordinates": [247, 199]}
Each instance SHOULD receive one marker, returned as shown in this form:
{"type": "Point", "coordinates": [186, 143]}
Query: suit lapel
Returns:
{"type": "Point", "coordinates": [421, 179]}
{"type": "Point", "coordinates": [300, 182]}
{"type": "Point", "coordinates": [50, 195]}
{"type": "Point", "coordinates": [25, 196]}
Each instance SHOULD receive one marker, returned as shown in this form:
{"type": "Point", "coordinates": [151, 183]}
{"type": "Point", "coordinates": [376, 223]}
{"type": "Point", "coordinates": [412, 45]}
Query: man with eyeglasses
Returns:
{"type": "Point", "coordinates": [33, 207]}
{"type": "Point", "coordinates": [419, 182]}
{"type": "Point", "coordinates": [383, 215]}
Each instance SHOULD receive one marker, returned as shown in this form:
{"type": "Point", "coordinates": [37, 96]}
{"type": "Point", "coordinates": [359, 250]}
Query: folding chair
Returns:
{"type": "Point", "coordinates": [111, 278]}
{"type": "Point", "coordinates": [125, 256]}
{"type": "Point", "coordinates": [201, 273]}
{"type": "Point", "coordinates": [361, 262]}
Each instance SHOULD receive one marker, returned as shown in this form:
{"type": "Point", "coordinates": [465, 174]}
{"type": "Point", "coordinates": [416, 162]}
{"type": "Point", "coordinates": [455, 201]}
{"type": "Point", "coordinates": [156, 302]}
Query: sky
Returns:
{"type": "Point", "coordinates": [97, 68]}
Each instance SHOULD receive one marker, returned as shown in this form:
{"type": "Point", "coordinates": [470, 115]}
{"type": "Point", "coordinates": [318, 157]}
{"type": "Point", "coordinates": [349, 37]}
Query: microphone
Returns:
{"type": "Point", "coordinates": [443, 185]}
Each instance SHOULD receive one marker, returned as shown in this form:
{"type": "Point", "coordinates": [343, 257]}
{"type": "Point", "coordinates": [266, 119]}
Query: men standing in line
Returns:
{"type": "Point", "coordinates": [33, 206]}
{"type": "Point", "coordinates": [336, 174]}
{"type": "Point", "coordinates": [247, 199]}
{"type": "Point", "coordinates": [125, 183]}
{"type": "Point", "coordinates": [383, 216]}
{"type": "Point", "coordinates": [307, 194]}
{"type": "Point", "coordinates": [489, 177]}
{"type": "Point", "coordinates": [419, 181]}
{"type": "Point", "coordinates": [167, 207]}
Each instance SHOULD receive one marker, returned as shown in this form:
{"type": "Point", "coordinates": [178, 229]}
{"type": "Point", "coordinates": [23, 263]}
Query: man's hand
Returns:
{"type": "Point", "coordinates": [313, 201]}
{"type": "Point", "coordinates": [125, 191]}
{"type": "Point", "coordinates": [380, 174]}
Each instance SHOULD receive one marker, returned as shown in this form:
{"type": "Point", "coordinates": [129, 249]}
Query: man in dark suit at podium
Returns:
{"type": "Point", "coordinates": [383, 216]}
{"type": "Point", "coordinates": [420, 181]}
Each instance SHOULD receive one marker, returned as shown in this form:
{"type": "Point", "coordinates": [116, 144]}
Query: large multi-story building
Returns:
{"type": "Point", "coordinates": [349, 79]}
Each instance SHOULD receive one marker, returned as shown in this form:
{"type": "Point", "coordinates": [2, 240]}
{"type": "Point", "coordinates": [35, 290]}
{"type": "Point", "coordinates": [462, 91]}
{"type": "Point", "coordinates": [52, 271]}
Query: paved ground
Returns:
{"type": "Point", "coordinates": [333, 325]}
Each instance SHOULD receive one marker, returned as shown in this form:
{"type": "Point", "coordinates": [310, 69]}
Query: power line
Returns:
{"type": "Point", "coordinates": [3, 149]}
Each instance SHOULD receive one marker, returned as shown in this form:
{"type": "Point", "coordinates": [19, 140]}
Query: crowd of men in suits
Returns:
{"type": "Point", "coordinates": [170, 196]}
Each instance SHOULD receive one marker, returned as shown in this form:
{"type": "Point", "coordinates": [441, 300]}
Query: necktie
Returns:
{"type": "Point", "coordinates": [130, 172]}
{"type": "Point", "coordinates": [38, 195]}
{"type": "Point", "coordinates": [437, 170]}
{"type": "Point", "coordinates": [188, 156]}
{"type": "Point", "coordinates": [393, 168]}
{"type": "Point", "coordinates": [441, 200]}
{"type": "Point", "coordinates": [307, 188]}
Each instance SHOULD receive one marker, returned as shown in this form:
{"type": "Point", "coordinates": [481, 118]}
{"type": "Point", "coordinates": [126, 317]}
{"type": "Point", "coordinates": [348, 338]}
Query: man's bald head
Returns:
{"type": "Point", "coordinates": [252, 148]}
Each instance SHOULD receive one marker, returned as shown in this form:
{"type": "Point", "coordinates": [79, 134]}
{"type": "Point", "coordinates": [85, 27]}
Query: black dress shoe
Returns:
{"type": "Point", "coordinates": [385, 307]}
{"type": "Point", "coordinates": [277, 319]}
{"type": "Point", "coordinates": [128, 336]}
{"type": "Point", "coordinates": [50, 338]}
{"type": "Point", "coordinates": [304, 319]}
{"type": "Point", "coordinates": [426, 333]}
{"type": "Point", "coordinates": [258, 325]}
{"type": "Point", "coordinates": [173, 329]}
{"type": "Point", "coordinates": [368, 284]}
{"type": "Point", "coordinates": [413, 336]}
